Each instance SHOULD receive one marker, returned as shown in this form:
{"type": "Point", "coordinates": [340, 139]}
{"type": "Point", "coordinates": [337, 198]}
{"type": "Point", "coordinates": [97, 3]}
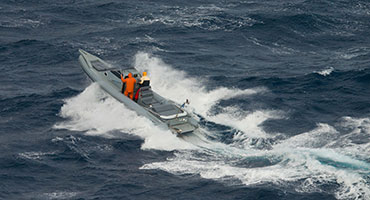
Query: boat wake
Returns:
{"type": "Point", "coordinates": [94, 112]}
{"type": "Point", "coordinates": [323, 159]}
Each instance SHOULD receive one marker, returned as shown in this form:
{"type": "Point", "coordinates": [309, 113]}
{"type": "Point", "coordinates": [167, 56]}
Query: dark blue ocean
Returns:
{"type": "Point", "coordinates": [280, 90]}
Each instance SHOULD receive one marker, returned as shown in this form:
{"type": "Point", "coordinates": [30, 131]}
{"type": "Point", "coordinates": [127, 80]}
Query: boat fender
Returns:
{"type": "Point", "coordinates": [137, 94]}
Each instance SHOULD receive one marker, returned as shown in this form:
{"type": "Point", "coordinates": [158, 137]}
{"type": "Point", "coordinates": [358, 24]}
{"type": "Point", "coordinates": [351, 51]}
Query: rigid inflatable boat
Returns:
{"type": "Point", "coordinates": [163, 112]}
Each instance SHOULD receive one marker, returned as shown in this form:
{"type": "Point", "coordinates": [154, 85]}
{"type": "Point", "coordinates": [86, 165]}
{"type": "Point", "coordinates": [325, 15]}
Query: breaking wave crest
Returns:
{"type": "Point", "coordinates": [326, 72]}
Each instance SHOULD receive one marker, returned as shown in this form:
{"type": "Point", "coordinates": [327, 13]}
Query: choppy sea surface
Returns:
{"type": "Point", "coordinates": [280, 89]}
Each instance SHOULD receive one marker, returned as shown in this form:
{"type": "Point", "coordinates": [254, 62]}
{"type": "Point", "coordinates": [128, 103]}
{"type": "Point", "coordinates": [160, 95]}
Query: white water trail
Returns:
{"type": "Point", "coordinates": [293, 163]}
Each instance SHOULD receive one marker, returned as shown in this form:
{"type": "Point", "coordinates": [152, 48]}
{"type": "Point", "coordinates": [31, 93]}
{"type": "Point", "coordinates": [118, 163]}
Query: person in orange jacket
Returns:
{"type": "Point", "coordinates": [130, 85]}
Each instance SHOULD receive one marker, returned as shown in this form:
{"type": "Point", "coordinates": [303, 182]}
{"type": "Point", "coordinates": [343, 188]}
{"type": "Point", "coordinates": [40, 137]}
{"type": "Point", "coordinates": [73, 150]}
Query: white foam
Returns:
{"type": "Point", "coordinates": [356, 143]}
{"type": "Point", "coordinates": [319, 137]}
{"type": "Point", "coordinates": [223, 169]}
{"type": "Point", "coordinates": [300, 160]}
{"type": "Point", "coordinates": [326, 72]}
{"type": "Point", "coordinates": [247, 122]}
{"type": "Point", "coordinates": [353, 186]}
{"type": "Point", "coordinates": [60, 195]}
{"type": "Point", "coordinates": [360, 125]}
{"type": "Point", "coordinates": [297, 166]}
{"type": "Point", "coordinates": [15, 23]}
{"type": "Point", "coordinates": [328, 163]}
{"type": "Point", "coordinates": [35, 155]}
{"type": "Point", "coordinates": [96, 113]}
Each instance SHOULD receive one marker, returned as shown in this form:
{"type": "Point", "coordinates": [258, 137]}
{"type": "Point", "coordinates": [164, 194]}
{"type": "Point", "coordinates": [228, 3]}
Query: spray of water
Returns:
{"type": "Point", "coordinates": [96, 113]}
{"type": "Point", "coordinates": [177, 86]}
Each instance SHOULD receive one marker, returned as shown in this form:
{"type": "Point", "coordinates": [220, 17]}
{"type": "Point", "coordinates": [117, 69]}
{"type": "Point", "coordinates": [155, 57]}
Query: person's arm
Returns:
{"type": "Point", "coordinates": [122, 79]}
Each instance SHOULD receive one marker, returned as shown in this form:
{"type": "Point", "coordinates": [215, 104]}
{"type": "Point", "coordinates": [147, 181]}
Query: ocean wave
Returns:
{"type": "Point", "coordinates": [33, 155]}
{"type": "Point", "coordinates": [19, 23]}
{"type": "Point", "coordinates": [354, 53]}
{"type": "Point", "coordinates": [204, 17]}
{"type": "Point", "coordinates": [59, 195]}
{"type": "Point", "coordinates": [326, 72]}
